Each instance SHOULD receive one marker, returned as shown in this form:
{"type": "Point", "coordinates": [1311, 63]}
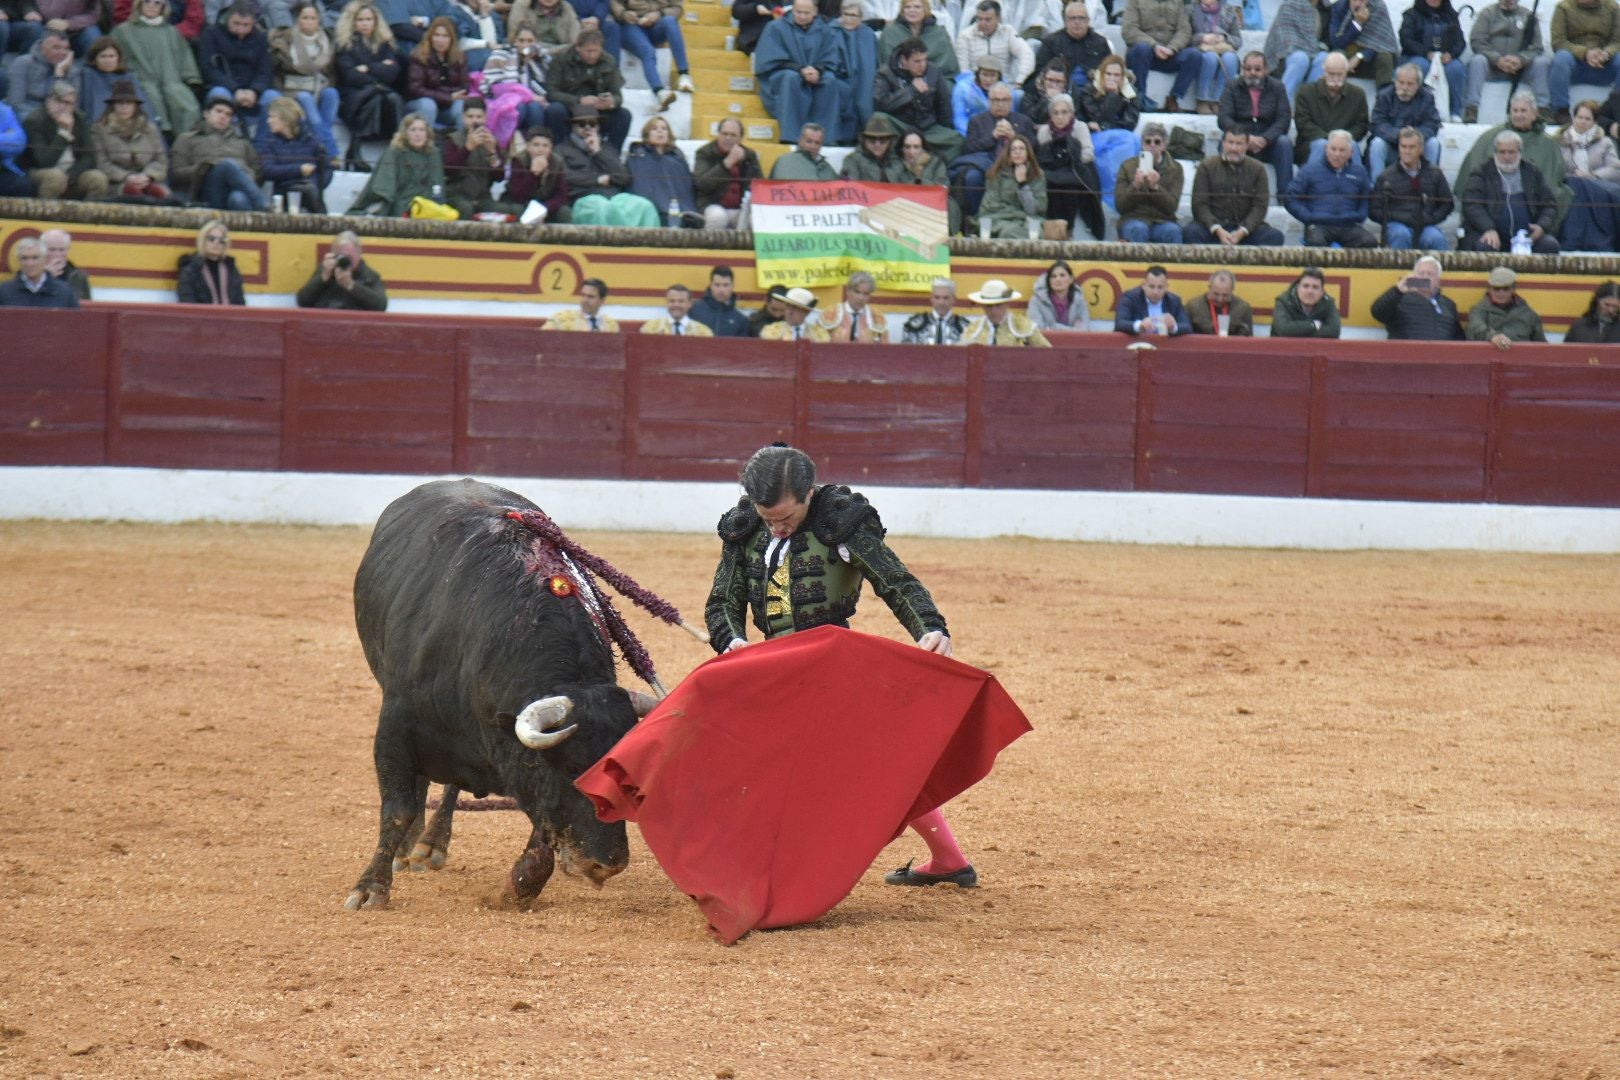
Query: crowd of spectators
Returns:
{"type": "Point", "coordinates": [982, 93]}
{"type": "Point", "coordinates": [229, 104]}
{"type": "Point", "coordinates": [517, 110]}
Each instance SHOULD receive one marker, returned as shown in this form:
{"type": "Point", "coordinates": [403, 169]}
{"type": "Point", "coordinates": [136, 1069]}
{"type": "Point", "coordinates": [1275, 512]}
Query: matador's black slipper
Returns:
{"type": "Point", "coordinates": [966, 878]}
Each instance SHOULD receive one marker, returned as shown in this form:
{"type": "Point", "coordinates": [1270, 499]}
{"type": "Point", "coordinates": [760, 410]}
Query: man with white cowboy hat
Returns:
{"type": "Point", "coordinates": [798, 303]}
{"type": "Point", "coordinates": [998, 325]}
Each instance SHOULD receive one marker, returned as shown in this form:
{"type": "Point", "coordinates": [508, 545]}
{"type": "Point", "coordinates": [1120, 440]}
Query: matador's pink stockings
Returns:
{"type": "Point", "coordinates": [944, 856]}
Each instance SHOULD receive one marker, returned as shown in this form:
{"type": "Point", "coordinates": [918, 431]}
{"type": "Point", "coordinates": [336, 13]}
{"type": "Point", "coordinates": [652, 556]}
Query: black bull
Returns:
{"type": "Point", "coordinates": [462, 636]}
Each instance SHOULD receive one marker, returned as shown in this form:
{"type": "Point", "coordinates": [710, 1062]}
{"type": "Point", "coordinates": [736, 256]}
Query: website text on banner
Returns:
{"type": "Point", "coordinates": [812, 234]}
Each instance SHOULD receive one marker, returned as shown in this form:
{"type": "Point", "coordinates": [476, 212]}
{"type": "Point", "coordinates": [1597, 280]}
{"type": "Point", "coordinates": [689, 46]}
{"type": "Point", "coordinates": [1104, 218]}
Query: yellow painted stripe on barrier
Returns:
{"type": "Point", "coordinates": [448, 268]}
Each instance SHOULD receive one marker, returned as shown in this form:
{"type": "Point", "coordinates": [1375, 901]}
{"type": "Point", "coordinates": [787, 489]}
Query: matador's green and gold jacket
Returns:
{"type": "Point", "coordinates": [819, 582]}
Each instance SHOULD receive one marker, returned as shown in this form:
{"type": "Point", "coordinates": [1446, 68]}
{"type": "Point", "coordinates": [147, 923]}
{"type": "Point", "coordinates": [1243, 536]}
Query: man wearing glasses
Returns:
{"type": "Point", "coordinates": [875, 161]}
{"type": "Point", "coordinates": [1076, 45]}
{"type": "Point", "coordinates": [1147, 192]}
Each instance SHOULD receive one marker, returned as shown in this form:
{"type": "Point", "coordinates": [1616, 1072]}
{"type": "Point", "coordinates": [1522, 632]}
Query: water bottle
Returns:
{"type": "Point", "coordinates": [674, 213]}
{"type": "Point", "coordinates": [1521, 242]}
{"type": "Point", "coordinates": [438, 193]}
{"type": "Point", "coordinates": [745, 219]}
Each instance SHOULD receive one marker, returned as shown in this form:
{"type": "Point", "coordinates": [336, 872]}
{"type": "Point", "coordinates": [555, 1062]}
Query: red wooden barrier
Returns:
{"type": "Point", "coordinates": [333, 391]}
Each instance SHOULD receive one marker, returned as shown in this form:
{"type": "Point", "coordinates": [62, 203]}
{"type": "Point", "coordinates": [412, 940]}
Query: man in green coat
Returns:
{"type": "Point", "coordinates": [1305, 309]}
{"type": "Point", "coordinates": [1502, 317]}
{"type": "Point", "coordinates": [794, 555]}
{"type": "Point", "coordinates": [875, 160]}
{"type": "Point", "coordinates": [805, 162]}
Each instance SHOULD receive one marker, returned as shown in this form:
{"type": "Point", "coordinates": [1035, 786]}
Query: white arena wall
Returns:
{"type": "Point", "coordinates": [69, 493]}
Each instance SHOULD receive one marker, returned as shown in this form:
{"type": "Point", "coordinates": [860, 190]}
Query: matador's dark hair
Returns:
{"type": "Point", "coordinates": [777, 471]}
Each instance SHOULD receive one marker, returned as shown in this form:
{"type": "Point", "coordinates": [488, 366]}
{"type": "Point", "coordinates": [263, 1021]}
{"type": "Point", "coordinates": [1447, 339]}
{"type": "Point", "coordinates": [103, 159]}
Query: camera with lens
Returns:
{"type": "Point", "coordinates": [343, 262]}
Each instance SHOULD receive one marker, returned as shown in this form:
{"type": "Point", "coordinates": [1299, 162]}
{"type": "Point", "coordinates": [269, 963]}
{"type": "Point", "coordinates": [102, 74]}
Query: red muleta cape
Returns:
{"type": "Point", "coordinates": [771, 777]}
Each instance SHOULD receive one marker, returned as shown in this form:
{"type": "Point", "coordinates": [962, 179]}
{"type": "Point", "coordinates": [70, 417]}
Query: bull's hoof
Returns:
{"type": "Point", "coordinates": [426, 857]}
{"type": "Point", "coordinates": [371, 897]}
{"type": "Point", "coordinates": [529, 875]}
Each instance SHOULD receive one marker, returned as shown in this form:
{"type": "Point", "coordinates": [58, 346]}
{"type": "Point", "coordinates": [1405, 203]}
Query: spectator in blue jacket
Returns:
{"type": "Point", "coordinates": [1429, 27]}
{"type": "Point", "coordinates": [235, 59]}
{"type": "Point", "coordinates": [291, 155]}
{"type": "Point", "coordinates": [14, 182]}
{"type": "Point", "coordinates": [659, 172]}
{"type": "Point", "coordinates": [1151, 308]}
{"type": "Point", "coordinates": [1330, 196]}
{"type": "Point", "coordinates": [718, 308]}
{"type": "Point", "coordinates": [1404, 103]}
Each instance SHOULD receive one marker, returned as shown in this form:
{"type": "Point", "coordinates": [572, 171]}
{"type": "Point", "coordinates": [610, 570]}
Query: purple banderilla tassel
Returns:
{"type": "Point", "coordinates": [622, 583]}
{"type": "Point", "coordinates": [635, 654]}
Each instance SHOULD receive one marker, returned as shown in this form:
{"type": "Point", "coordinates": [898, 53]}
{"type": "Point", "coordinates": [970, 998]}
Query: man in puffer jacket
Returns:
{"type": "Point", "coordinates": [717, 309]}
{"type": "Point", "coordinates": [1330, 197]}
{"type": "Point", "coordinates": [33, 73]}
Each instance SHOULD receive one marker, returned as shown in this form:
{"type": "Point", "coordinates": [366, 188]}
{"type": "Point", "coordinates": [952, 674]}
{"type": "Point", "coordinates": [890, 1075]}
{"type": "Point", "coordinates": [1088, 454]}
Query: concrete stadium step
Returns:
{"type": "Point", "coordinates": [713, 81]}
{"type": "Point", "coordinates": [756, 129]}
{"type": "Point", "coordinates": [729, 60]}
{"type": "Point", "coordinates": [705, 13]}
{"type": "Point", "coordinates": [708, 37]}
{"type": "Point", "coordinates": [728, 104]}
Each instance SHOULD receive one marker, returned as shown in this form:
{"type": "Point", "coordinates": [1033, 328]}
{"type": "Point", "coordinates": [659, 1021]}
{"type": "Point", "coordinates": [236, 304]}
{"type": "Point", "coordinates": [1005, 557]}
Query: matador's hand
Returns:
{"type": "Point", "coordinates": [935, 642]}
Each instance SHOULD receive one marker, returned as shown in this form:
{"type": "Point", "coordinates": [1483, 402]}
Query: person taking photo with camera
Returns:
{"type": "Point", "coordinates": [343, 280]}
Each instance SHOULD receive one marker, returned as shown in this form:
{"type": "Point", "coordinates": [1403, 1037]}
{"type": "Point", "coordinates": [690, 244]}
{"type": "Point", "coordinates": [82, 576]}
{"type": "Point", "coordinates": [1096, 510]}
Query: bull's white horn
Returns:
{"type": "Point", "coordinates": [536, 725]}
{"type": "Point", "coordinates": [642, 703]}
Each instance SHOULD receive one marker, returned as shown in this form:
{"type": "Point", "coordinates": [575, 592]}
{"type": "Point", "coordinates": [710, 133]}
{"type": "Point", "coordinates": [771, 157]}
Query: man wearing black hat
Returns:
{"type": "Point", "coordinates": [598, 182]}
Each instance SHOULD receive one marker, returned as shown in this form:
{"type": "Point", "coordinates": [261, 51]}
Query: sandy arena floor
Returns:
{"type": "Point", "coordinates": [1287, 814]}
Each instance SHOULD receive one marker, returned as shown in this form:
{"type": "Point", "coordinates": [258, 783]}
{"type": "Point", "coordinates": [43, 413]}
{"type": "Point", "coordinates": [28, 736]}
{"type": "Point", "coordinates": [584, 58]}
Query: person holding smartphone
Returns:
{"type": "Point", "coordinates": [1414, 308]}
